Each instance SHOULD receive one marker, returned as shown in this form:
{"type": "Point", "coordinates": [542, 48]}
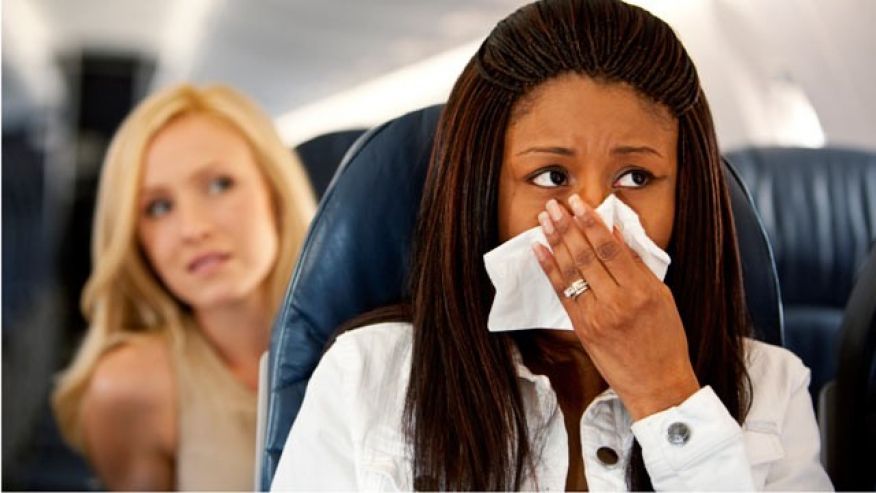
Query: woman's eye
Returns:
{"type": "Point", "coordinates": [635, 178]}
{"type": "Point", "coordinates": [219, 184]}
{"type": "Point", "coordinates": [158, 208]}
{"type": "Point", "coordinates": [551, 178]}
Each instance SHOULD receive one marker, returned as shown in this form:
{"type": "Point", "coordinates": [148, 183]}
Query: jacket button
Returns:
{"type": "Point", "coordinates": [678, 434]}
{"type": "Point", "coordinates": [607, 456]}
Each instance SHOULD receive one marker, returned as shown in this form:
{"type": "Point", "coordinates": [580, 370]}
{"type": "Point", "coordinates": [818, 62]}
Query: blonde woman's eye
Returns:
{"type": "Point", "coordinates": [634, 178]}
{"type": "Point", "coordinates": [219, 184]}
{"type": "Point", "coordinates": [157, 208]}
{"type": "Point", "coordinates": [550, 178]}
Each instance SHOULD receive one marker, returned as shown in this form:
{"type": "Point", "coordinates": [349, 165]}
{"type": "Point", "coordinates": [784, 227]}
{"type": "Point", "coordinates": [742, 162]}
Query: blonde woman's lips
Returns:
{"type": "Point", "coordinates": [207, 263]}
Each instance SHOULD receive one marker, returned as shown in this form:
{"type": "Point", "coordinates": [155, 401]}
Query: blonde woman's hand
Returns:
{"type": "Point", "coordinates": [627, 319]}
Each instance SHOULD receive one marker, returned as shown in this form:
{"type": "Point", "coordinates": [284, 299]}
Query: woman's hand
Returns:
{"type": "Point", "coordinates": [626, 320]}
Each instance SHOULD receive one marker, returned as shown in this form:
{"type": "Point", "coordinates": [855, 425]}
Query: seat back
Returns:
{"type": "Point", "coordinates": [356, 258]}
{"type": "Point", "coordinates": [849, 403]}
{"type": "Point", "coordinates": [322, 155]}
{"type": "Point", "coordinates": [818, 207]}
{"type": "Point", "coordinates": [819, 210]}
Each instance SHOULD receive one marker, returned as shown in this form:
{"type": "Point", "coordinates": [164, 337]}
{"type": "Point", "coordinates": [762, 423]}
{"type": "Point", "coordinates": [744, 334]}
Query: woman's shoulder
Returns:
{"type": "Point", "coordinates": [378, 339]}
{"type": "Point", "coordinates": [772, 364]}
{"type": "Point", "coordinates": [133, 381]}
{"type": "Point", "coordinates": [128, 415]}
{"type": "Point", "coordinates": [777, 375]}
{"type": "Point", "coordinates": [372, 351]}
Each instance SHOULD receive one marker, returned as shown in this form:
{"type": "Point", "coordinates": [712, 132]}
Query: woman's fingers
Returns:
{"type": "Point", "coordinates": [610, 250]}
{"type": "Point", "coordinates": [619, 236]}
{"type": "Point", "coordinates": [574, 257]}
{"type": "Point", "coordinates": [549, 265]}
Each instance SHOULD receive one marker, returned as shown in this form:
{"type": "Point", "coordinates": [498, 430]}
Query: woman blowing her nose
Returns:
{"type": "Point", "coordinates": [566, 103]}
{"type": "Point", "coordinates": [201, 212]}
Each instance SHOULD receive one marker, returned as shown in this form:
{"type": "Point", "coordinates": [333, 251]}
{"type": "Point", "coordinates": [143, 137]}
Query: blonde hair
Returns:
{"type": "Point", "coordinates": [122, 296]}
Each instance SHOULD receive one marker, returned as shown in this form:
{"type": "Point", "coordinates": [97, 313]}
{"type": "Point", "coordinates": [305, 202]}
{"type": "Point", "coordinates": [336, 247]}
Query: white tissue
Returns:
{"type": "Point", "coordinates": [525, 298]}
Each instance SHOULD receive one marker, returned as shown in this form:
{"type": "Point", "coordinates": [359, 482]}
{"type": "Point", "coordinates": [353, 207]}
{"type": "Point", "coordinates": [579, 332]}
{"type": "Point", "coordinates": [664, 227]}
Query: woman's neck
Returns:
{"type": "Point", "coordinates": [239, 332]}
{"type": "Point", "coordinates": [560, 356]}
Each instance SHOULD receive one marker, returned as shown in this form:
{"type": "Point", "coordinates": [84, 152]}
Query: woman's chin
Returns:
{"type": "Point", "coordinates": [214, 299]}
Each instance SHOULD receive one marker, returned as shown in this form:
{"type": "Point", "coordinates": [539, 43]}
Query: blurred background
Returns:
{"type": "Point", "coordinates": [788, 73]}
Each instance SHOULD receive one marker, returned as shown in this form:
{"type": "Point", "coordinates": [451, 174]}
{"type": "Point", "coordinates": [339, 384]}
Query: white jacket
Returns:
{"type": "Point", "coordinates": [348, 433]}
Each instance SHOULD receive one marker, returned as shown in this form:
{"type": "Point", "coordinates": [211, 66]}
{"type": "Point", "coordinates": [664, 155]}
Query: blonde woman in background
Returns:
{"type": "Point", "coordinates": [200, 216]}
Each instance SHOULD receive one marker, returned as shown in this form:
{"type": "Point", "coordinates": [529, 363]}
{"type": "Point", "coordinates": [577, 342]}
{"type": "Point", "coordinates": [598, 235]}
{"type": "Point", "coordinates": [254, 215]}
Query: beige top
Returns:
{"type": "Point", "coordinates": [217, 421]}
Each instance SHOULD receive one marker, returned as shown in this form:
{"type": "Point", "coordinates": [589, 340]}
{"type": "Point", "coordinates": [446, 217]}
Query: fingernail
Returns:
{"type": "Point", "coordinates": [617, 233]}
{"type": "Point", "coordinates": [546, 224]}
{"type": "Point", "coordinates": [538, 252]}
{"type": "Point", "coordinates": [554, 209]}
{"type": "Point", "coordinates": [577, 205]}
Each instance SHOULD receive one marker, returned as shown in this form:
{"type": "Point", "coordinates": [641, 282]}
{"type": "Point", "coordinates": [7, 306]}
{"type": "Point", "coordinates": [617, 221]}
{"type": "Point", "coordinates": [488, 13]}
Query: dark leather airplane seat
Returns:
{"type": "Point", "coordinates": [848, 403]}
{"type": "Point", "coordinates": [819, 209]}
{"type": "Point", "coordinates": [321, 156]}
{"type": "Point", "coordinates": [356, 257]}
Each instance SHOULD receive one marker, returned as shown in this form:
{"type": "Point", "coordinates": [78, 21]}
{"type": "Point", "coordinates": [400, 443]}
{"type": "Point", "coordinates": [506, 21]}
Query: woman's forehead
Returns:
{"type": "Point", "coordinates": [191, 142]}
{"type": "Point", "coordinates": [581, 82]}
{"type": "Point", "coordinates": [574, 107]}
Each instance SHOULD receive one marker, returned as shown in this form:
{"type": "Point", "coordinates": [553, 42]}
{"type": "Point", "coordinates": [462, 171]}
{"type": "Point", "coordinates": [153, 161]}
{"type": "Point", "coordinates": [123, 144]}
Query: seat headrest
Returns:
{"type": "Point", "coordinates": [322, 155]}
{"type": "Point", "coordinates": [819, 210]}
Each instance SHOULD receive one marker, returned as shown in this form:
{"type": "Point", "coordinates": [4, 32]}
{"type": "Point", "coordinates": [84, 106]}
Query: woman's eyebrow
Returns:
{"type": "Point", "coordinates": [563, 151]}
{"type": "Point", "coordinates": [147, 194]}
{"type": "Point", "coordinates": [206, 169]}
{"type": "Point", "coordinates": [152, 189]}
{"type": "Point", "coordinates": [622, 150]}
